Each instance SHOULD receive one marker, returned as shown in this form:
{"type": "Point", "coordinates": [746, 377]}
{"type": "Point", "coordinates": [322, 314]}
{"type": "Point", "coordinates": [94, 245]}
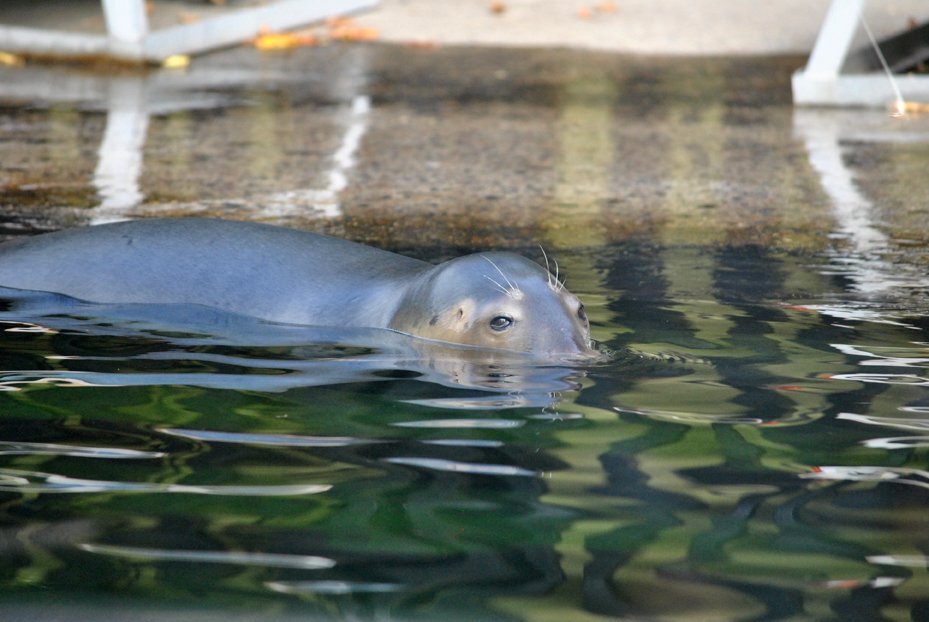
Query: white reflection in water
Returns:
{"type": "Point", "coordinates": [13, 480]}
{"type": "Point", "coordinates": [556, 416]}
{"type": "Point", "coordinates": [331, 587]}
{"type": "Point", "coordinates": [494, 402]}
{"type": "Point", "coordinates": [16, 380]}
{"type": "Point", "coordinates": [471, 468]}
{"type": "Point", "coordinates": [119, 167]}
{"type": "Point", "coordinates": [277, 440]}
{"type": "Point", "coordinates": [860, 314]}
{"type": "Point", "coordinates": [909, 561]}
{"type": "Point", "coordinates": [462, 423]}
{"type": "Point", "coordinates": [688, 417]}
{"type": "Point", "coordinates": [13, 448]}
{"type": "Point", "coordinates": [903, 423]}
{"type": "Point", "coordinates": [271, 560]}
{"type": "Point", "coordinates": [454, 442]}
{"type": "Point", "coordinates": [912, 477]}
{"type": "Point", "coordinates": [854, 584]}
{"type": "Point", "coordinates": [824, 132]}
{"type": "Point", "coordinates": [892, 356]}
{"type": "Point", "coordinates": [908, 379]}
{"type": "Point", "coordinates": [28, 327]}
{"type": "Point", "coordinates": [898, 442]}
{"type": "Point", "coordinates": [355, 121]}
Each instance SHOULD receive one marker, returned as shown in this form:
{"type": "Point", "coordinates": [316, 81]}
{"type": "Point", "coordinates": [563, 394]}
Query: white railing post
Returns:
{"type": "Point", "coordinates": [834, 38]}
{"type": "Point", "coordinates": [126, 25]}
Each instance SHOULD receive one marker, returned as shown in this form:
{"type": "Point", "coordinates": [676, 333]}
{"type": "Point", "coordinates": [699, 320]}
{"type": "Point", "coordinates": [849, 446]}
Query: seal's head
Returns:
{"type": "Point", "coordinates": [496, 300]}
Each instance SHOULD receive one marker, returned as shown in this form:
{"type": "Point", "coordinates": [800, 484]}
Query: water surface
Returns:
{"type": "Point", "coordinates": [749, 453]}
{"type": "Point", "coordinates": [755, 449]}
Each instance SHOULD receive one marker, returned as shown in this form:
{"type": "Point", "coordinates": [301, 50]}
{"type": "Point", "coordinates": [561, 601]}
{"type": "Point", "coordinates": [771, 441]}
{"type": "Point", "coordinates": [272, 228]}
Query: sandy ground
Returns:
{"type": "Point", "coordinates": [711, 27]}
{"type": "Point", "coordinates": [640, 26]}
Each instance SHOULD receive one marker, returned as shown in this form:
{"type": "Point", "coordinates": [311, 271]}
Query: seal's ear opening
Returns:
{"type": "Point", "coordinates": [463, 316]}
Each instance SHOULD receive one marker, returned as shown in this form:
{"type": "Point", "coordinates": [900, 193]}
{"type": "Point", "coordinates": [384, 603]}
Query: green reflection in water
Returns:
{"type": "Point", "coordinates": [704, 473]}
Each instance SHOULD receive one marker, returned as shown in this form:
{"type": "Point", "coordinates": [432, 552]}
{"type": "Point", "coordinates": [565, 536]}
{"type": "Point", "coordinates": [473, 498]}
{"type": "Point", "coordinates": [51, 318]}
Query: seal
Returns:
{"type": "Point", "coordinates": [491, 300]}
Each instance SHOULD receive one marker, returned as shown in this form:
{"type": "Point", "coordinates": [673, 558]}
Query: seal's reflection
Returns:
{"type": "Point", "coordinates": [65, 342]}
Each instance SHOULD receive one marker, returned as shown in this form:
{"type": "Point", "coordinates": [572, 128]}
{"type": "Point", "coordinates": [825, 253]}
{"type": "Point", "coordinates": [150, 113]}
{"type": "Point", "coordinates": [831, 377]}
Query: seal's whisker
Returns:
{"type": "Point", "coordinates": [505, 291]}
{"type": "Point", "coordinates": [512, 287]}
{"type": "Point", "coordinates": [548, 268]}
{"type": "Point", "coordinates": [559, 285]}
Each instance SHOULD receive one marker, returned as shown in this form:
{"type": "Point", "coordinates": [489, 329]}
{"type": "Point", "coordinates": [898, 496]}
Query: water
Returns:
{"type": "Point", "coordinates": [748, 453]}
{"type": "Point", "coordinates": [754, 449]}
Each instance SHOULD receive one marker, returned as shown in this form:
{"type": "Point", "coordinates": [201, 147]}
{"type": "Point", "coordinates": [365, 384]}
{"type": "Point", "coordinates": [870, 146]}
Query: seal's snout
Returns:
{"type": "Point", "coordinates": [573, 341]}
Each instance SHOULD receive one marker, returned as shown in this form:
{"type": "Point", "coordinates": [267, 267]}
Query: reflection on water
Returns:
{"type": "Point", "coordinates": [755, 450]}
{"type": "Point", "coordinates": [865, 261]}
{"type": "Point", "coordinates": [739, 458]}
{"type": "Point", "coordinates": [131, 100]}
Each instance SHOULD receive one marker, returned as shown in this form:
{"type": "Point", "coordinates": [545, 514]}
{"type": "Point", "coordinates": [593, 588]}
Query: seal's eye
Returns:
{"type": "Point", "coordinates": [581, 313]}
{"type": "Point", "coordinates": [501, 322]}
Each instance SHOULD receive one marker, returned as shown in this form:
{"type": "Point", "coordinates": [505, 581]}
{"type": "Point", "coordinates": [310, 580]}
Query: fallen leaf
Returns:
{"type": "Point", "coordinates": [909, 107]}
{"type": "Point", "coordinates": [345, 29]}
{"type": "Point", "coordinates": [176, 61]}
{"type": "Point", "coordinates": [284, 40]}
{"type": "Point", "coordinates": [11, 60]}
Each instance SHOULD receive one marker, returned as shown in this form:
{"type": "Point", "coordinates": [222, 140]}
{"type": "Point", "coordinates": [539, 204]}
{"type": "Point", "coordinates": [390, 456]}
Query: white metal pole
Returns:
{"type": "Point", "coordinates": [834, 38]}
{"type": "Point", "coordinates": [127, 26]}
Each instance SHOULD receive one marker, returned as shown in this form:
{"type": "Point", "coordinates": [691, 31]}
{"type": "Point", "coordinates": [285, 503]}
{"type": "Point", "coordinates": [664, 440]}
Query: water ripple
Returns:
{"type": "Point", "coordinates": [912, 477]}
{"type": "Point", "coordinates": [887, 356]}
{"type": "Point", "coordinates": [455, 442]}
{"type": "Point", "coordinates": [903, 423]}
{"type": "Point", "coordinates": [908, 561]}
{"type": "Point", "coordinates": [16, 380]}
{"type": "Point", "coordinates": [497, 424]}
{"type": "Point", "coordinates": [332, 587]}
{"type": "Point", "coordinates": [688, 417]}
{"type": "Point", "coordinates": [12, 480]}
{"type": "Point", "coordinates": [453, 466]}
{"type": "Point", "coordinates": [908, 379]}
{"type": "Point", "coordinates": [270, 560]}
{"type": "Point", "coordinates": [897, 442]}
{"type": "Point", "coordinates": [277, 440]}
{"type": "Point", "coordinates": [861, 314]}
{"type": "Point", "coordinates": [15, 448]}
{"type": "Point", "coordinates": [495, 402]}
